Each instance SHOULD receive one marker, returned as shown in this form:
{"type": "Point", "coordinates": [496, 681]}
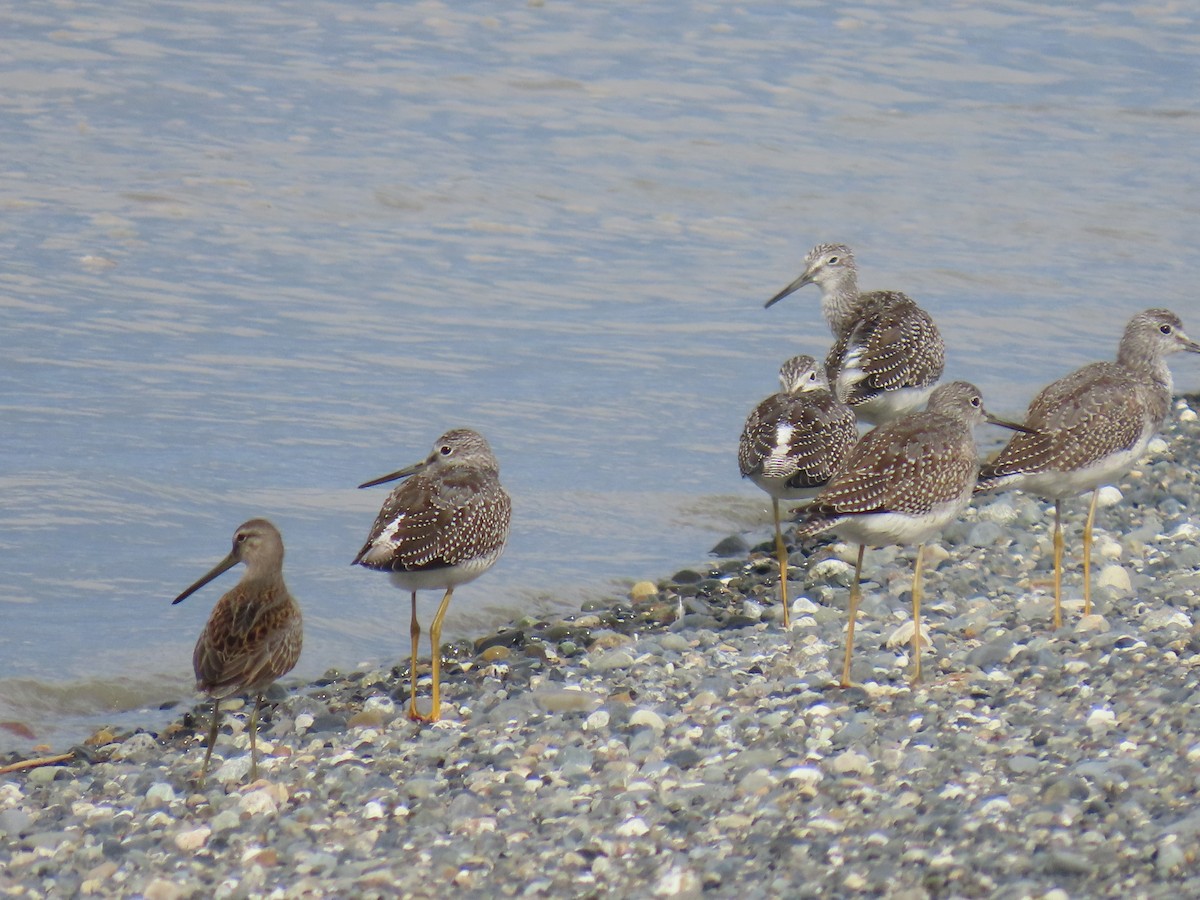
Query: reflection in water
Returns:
{"type": "Point", "coordinates": [242, 273]}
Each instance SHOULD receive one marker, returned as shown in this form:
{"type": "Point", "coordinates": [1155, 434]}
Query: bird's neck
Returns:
{"type": "Point", "coordinates": [840, 302]}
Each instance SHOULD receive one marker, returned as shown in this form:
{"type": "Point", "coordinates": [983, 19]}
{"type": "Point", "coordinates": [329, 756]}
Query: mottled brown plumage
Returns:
{"type": "Point", "coordinates": [254, 633]}
{"type": "Point", "coordinates": [887, 353]}
{"type": "Point", "coordinates": [1090, 427]}
{"type": "Point", "coordinates": [446, 525]}
{"type": "Point", "coordinates": [792, 443]}
{"type": "Point", "coordinates": [902, 483]}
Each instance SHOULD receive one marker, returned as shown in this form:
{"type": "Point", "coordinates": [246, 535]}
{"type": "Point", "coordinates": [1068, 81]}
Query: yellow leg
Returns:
{"type": "Point", "coordinates": [435, 641]}
{"type": "Point", "coordinates": [414, 631]}
{"type": "Point", "coordinates": [781, 554]}
{"type": "Point", "coordinates": [1087, 554]}
{"type": "Point", "coordinates": [253, 738]}
{"type": "Point", "coordinates": [916, 601]}
{"type": "Point", "coordinates": [212, 739]}
{"type": "Point", "coordinates": [1058, 559]}
{"type": "Point", "coordinates": [854, 598]}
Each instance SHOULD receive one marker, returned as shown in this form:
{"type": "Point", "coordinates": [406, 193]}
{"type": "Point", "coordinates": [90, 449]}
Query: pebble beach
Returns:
{"type": "Point", "coordinates": [676, 742]}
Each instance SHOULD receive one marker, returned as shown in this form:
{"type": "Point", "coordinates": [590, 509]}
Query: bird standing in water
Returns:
{"type": "Point", "coordinates": [445, 525]}
{"type": "Point", "coordinates": [254, 634]}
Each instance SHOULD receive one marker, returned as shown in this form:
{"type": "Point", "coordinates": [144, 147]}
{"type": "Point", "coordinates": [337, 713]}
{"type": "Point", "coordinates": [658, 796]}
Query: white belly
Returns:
{"type": "Point", "coordinates": [882, 529]}
{"type": "Point", "coordinates": [444, 578]}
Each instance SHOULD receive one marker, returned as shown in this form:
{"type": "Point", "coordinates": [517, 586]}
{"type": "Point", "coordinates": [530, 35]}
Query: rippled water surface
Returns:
{"type": "Point", "coordinates": [254, 254]}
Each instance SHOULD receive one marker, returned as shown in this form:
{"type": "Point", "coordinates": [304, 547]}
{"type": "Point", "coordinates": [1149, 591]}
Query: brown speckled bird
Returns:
{"type": "Point", "coordinates": [1090, 427]}
{"type": "Point", "coordinates": [254, 633]}
{"type": "Point", "coordinates": [792, 443]}
{"type": "Point", "coordinates": [902, 483]}
{"type": "Point", "coordinates": [446, 525]}
{"type": "Point", "coordinates": [887, 353]}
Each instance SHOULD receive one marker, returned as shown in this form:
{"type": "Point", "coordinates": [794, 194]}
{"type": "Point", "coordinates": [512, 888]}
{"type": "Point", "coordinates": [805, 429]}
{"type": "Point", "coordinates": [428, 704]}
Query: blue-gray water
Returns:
{"type": "Point", "coordinates": [252, 255]}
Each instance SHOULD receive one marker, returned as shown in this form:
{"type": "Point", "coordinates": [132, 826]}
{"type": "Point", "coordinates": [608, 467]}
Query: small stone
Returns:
{"type": "Point", "coordinates": [140, 744]}
{"type": "Point", "coordinates": [258, 802]}
{"type": "Point", "coordinates": [1114, 576]}
{"type": "Point", "coordinates": [566, 700]}
{"type": "Point", "coordinates": [678, 881]}
{"type": "Point", "coordinates": [614, 659]}
{"type": "Point", "coordinates": [495, 653]}
{"type": "Point", "coordinates": [643, 591]}
{"type": "Point", "coordinates": [1101, 719]}
{"type": "Point", "coordinates": [851, 762]}
{"type": "Point", "coordinates": [1109, 495]}
{"type": "Point", "coordinates": [596, 721]}
{"type": "Point", "coordinates": [161, 889]}
{"type": "Point", "coordinates": [193, 839]}
{"type": "Point", "coordinates": [674, 642]}
{"type": "Point", "coordinates": [1092, 624]}
{"type": "Point", "coordinates": [365, 718]}
{"type": "Point", "coordinates": [226, 820]}
{"type": "Point", "coordinates": [647, 717]}
{"type": "Point", "coordinates": [831, 571]}
{"type": "Point", "coordinates": [734, 545]}
{"type": "Point", "coordinates": [633, 827]}
{"type": "Point", "coordinates": [160, 794]}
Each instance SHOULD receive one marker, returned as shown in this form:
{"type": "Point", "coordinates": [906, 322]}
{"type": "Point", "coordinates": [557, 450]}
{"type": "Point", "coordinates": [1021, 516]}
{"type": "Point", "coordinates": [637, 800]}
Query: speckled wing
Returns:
{"type": "Point", "coordinates": [1091, 414]}
{"type": "Point", "coordinates": [893, 344]}
{"type": "Point", "coordinates": [248, 643]}
{"type": "Point", "coordinates": [427, 524]}
{"type": "Point", "coordinates": [798, 438]}
{"type": "Point", "coordinates": [908, 466]}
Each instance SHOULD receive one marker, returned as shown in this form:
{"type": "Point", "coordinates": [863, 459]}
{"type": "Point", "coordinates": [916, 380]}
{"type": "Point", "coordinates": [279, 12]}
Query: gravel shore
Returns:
{"type": "Point", "coordinates": [677, 743]}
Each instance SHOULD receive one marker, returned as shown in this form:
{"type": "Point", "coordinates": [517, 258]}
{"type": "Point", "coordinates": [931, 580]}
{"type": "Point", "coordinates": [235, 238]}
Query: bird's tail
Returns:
{"type": "Point", "coordinates": [815, 522]}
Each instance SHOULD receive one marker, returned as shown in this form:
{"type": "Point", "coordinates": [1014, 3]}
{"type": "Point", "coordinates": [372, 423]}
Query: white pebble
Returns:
{"type": "Point", "coordinates": [304, 721]}
{"type": "Point", "coordinates": [373, 810]}
{"type": "Point", "coordinates": [1114, 576]}
{"type": "Point", "coordinates": [1109, 495]}
{"type": "Point", "coordinates": [902, 636]}
{"type": "Point", "coordinates": [160, 794]}
{"type": "Point", "coordinates": [1101, 719]}
{"type": "Point", "coordinates": [851, 762]}
{"type": "Point", "coordinates": [831, 571]}
{"type": "Point", "coordinates": [1002, 512]}
{"type": "Point", "coordinates": [260, 801]}
{"type": "Point", "coordinates": [596, 721]}
{"type": "Point", "coordinates": [633, 827]}
{"type": "Point", "coordinates": [1156, 447]}
{"type": "Point", "coordinates": [1166, 618]}
{"type": "Point", "coordinates": [1187, 415]}
{"type": "Point", "coordinates": [647, 717]}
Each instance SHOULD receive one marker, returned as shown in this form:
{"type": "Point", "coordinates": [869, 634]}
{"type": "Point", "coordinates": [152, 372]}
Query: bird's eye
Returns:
{"type": "Point", "coordinates": [833, 260]}
{"type": "Point", "coordinates": [1164, 328]}
{"type": "Point", "coordinates": [976, 402]}
{"type": "Point", "coordinates": [241, 537]}
{"type": "Point", "coordinates": [445, 449]}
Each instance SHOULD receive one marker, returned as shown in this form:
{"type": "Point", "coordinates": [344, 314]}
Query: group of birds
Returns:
{"type": "Point", "coordinates": [900, 483]}
{"type": "Point", "coordinates": [444, 525]}
{"type": "Point", "coordinates": [917, 470]}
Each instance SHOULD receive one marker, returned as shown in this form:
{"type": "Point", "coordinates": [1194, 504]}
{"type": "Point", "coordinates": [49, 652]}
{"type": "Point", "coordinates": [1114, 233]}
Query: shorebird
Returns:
{"type": "Point", "coordinates": [793, 441]}
{"type": "Point", "coordinates": [1090, 427]}
{"type": "Point", "coordinates": [446, 525]}
{"type": "Point", "coordinates": [887, 354]}
{"type": "Point", "coordinates": [902, 483]}
{"type": "Point", "coordinates": [254, 633]}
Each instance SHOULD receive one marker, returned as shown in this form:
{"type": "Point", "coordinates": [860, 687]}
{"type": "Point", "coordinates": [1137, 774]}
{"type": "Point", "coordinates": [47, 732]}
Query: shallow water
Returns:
{"type": "Point", "coordinates": [255, 255]}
